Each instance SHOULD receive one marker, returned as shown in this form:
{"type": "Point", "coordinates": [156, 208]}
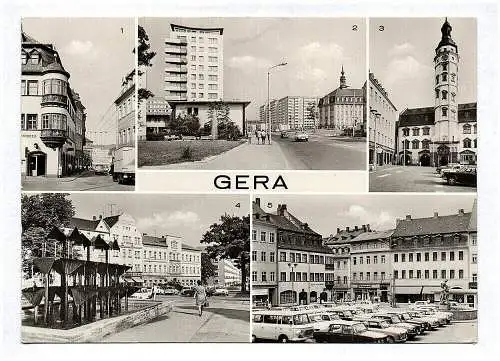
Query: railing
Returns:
{"type": "Point", "coordinates": [175, 50]}
{"type": "Point", "coordinates": [182, 78]}
{"type": "Point", "coordinates": [473, 285]}
{"type": "Point", "coordinates": [176, 69]}
{"type": "Point", "coordinates": [52, 133]}
{"type": "Point", "coordinates": [329, 266]}
{"type": "Point", "coordinates": [49, 99]}
{"type": "Point", "coordinates": [176, 59]}
{"type": "Point", "coordinates": [176, 87]}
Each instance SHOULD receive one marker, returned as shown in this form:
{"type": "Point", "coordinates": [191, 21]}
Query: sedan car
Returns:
{"type": "Point", "coordinates": [465, 175]}
{"type": "Point", "coordinates": [301, 137]}
{"type": "Point", "coordinates": [349, 332]}
{"type": "Point", "coordinates": [172, 137]}
{"type": "Point", "coordinates": [170, 291]}
{"type": "Point", "coordinates": [413, 330]}
{"type": "Point", "coordinates": [394, 333]}
{"type": "Point", "coordinates": [220, 291]}
{"type": "Point", "coordinates": [187, 291]}
{"type": "Point", "coordinates": [446, 167]}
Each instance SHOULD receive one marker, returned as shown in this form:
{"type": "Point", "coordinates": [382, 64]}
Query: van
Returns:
{"type": "Point", "coordinates": [282, 326]}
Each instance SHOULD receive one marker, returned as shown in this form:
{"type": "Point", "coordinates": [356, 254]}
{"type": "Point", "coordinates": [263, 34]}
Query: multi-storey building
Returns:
{"type": "Point", "coordinates": [174, 244]}
{"type": "Point", "coordinates": [190, 265]}
{"type": "Point", "coordinates": [264, 257]}
{"type": "Point", "coordinates": [155, 260]}
{"type": "Point", "coordinates": [291, 112]}
{"type": "Point", "coordinates": [276, 119]}
{"type": "Point", "coordinates": [371, 266]}
{"type": "Point", "coordinates": [52, 114]}
{"type": "Point", "coordinates": [227, 273]}
{"type": "Point", "coordinates": [426, 252]}
{"type": "Point", "coordinates": [194, 64]}
{"type": "Point", "coordinates": [447, 132]}
{"type": "Point", "coordinates": [382, 127]}
{"type": "Point", "coordinates": [157, 115]}
{"type": "Point", "coordinates": [343, 108]}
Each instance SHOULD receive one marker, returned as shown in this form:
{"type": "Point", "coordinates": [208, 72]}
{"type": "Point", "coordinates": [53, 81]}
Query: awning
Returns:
{"type": "Point", "coordinates": [260, 291]}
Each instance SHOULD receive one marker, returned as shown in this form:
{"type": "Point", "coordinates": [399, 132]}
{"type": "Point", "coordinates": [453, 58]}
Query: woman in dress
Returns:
{"type": "Point", "coordinates": [200, 296]}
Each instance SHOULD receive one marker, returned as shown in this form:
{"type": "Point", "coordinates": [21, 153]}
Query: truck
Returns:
{"type": "Point", "coordinates": [124, 165]}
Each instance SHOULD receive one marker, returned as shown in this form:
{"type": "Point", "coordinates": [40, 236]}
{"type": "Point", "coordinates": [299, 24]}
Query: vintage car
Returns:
{"type": "Point", "coordinates": [442, 316]}
{"type": "Point", "coordinates": [187, 291]}
{"type": "Point", "coordinates": [412, 329]}
{"type": "Point", "coordinates": [448, 166]}
{"type": "Point", "coordinates": [172, 137]}
{"type": "Point", "coordinates": [301, 137]}
{"type": "Point", "coordinates": [405, 317]}
{"type": "Point", "coordinates": [349, 332]}
{"type": "Point", "coordinates": [281, 325]}
{"type": "Point", "coordinates": [465, 175]}
{"type": "Point", "coordinates": [394, 333]}
{"type": "Point", "coordinates": [433, 321]}
{"type": "Point", "coordinates": [220, 291]}
{"type": "Point", "coordinates": [322, 319]}
{"type": "Point", "coordinates": [284, 134]}
{"type": "Point", "coordinates": [170, 291]}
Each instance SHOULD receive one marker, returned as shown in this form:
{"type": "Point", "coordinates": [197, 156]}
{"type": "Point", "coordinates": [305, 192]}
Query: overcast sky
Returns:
{"type": "Point", "coordinates": [97, 53]}
{"type": "Point", "coordinates": [187, 216]}
{"type": "Point", "coordinates": [325, 213]}
{"type": "Point", "coordinates": [402, 58]}
{"type": "Point", "coordinates": [315, 49]}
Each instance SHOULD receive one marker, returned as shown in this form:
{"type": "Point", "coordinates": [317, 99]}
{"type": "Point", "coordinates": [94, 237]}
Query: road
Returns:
{"type": "Point", "coordinates": [457, 332]}
{"type": "Point", "coordinates": [323, 153]}
{"type": "Point", "coordinates": [225, 320]}
{"type": "Point", "coordinates": [411, 179]}
{"type": "Point", "coordinates": [86, 181]}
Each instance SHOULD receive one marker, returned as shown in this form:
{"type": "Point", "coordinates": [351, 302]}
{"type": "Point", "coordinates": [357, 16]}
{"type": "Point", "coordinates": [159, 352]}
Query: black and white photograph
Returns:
{"type": "Point", "coordinates": [423, 105]}
{"type": "Point", "coordinates": [142, 268]}
{"type": "Point", "coordinates": [364, 268]}
{"type": "Point", "coordinates": [252, 93]}
{"type": "Point", "coordinates": [77, 104]}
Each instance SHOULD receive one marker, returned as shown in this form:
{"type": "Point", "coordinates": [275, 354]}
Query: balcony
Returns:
{"type": "Point", "coordinates": [176, 59]}
{"type": "Point", "coordinates": [53, 138]}
{"type": "Point", "coordinates": [176, 42]}
{"type": "Point", "coordinates": [329, 266]}
{"type": "Point", "coordinates": [176, 69]}
{"type": "Point", "coordinates": [176, 78]}
{"type": "Point", "coordinates": [54, 99]}
{"type": "Point", "coordinates": [176, 50]}
{"type": "Point", "coordinates": [176, 97]}
{"type": "Point", "coordinates": [176, 87]}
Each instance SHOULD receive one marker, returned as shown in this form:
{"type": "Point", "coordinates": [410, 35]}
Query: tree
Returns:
{"type": "Point", "coordinates": [39, 213]}
{"type": "Point", "coordinates": [230, 239]}
{"type": "Point", "coordinates": [311, 113]}
{"type": "Point", "coordinates": [207, 268]}
{"type": "Point", "coordinates": [144, 57]}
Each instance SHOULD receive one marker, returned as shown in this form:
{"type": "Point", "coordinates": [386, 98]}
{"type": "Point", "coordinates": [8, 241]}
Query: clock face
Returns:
{"type": "Point", "coordinates": [445, 57]}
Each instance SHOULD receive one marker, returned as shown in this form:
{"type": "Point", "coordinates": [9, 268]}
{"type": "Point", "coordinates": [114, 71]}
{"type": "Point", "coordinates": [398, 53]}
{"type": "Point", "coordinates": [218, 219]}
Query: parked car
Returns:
{"type": "Point", "coordinates": [170, 291]}
{"type": "Point", "coordinates": [433, 321]}
{"type": "Point", "coordinates": [143, 294]}
{"type": "Point", "coordinates": [349, 332]}
{"type": "Point", "coordinates": [220, 291]}
{"type": "Point", "coordinates": [284, 134]}
{"type": "Point", "coordinates": [101, 169]}
{"type": "Point", "coordinates": [466, 175]}
{"type": "Point", "coordinates": [441, 168]}
{"type": "Point", "coordinates": [322, 320]}
{"type": "Point", "coordinates": [187, 291]}
{"type": "Point", "coordinates": [394, 333]}
{"type": "Point", "coordinates": [454, 305]}
{"type": "Point", "coordinates": [301, 137]}
{"type": "Point", "coordinates": [281, 325]}
{"type": "Point", "coordinates": [173, 137]}
{"type": "Point", "coordinates": [405, 317]}
{"type": "Point", "coordinates": [413, 330]}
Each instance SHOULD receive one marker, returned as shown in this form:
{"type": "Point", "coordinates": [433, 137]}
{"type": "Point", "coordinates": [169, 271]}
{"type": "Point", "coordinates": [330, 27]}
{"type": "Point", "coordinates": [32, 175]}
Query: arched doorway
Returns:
{"type": "Point", "coordinates": [303, 298]}
{"type": "Point", "coordinates": [36, 164]}
{"type": "Point", "coordinates": [443, 153]}
{"type": "Point", "coordinates": [313, 296]}
{"type": "Point", "coordinates": [425, 159]}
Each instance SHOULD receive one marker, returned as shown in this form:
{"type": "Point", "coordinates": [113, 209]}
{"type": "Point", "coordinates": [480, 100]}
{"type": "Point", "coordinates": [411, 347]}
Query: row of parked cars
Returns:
{"type": "Point", "coordinates": [332, 323]}
{"type": "Point", "coordinates": [458, 174]}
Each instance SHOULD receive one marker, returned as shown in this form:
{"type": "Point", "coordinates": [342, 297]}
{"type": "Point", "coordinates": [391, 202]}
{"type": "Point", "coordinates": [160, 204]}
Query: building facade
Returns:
{"type": "Point", "coordinates": [155, 260]}
{"type": "Point", "coordinates": [382, 126]}
{"type": "Point", "coordinates": [227, 274]}
{"type": "Point", "coordinates": [264, 257]}
{"type": "Point", "coordinates": [190, 265]}
{"type": "Point", "coordinates": [52, 115]}
{"type": "Point", "coordinates": [343, 108]}
{"type": "Point", "coordinates": [291, 112]}
{"type": "Point", "coordinates": [157, 116]}
{"type": "Point", "coordinates": [447, 132]}
{"type": "Point", "coordinates": [194, 64]}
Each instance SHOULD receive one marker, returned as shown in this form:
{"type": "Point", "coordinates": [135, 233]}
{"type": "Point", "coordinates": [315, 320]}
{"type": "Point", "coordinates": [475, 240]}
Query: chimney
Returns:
{"type": "Point", "coordinates": [461, 212]}
{"type": "Point", "coordinates": [93, 218]}
{"type": "Point", "coordinates": [257, 201]}
{"type": "Point", "coordinates": [100, 216]}
{"type": "Point", "coordinates": [306, 226]}
{"type": "Point", "coordinates": [368, 227]}
{"type": "Point", "coordinates": [436, 214]}
{"type": "Point", "coordinates": [347, 229]}
{"type": "Point", "coordinates": [338, 230]}
{"type": "Point", "coordinates": [408, 217]}
{"type": "Point", "coordinates": [364, 227]}
{"type": "Point", "coordinates": [355, 228]}
{"type": "Point", "coordinates": [281, 209]}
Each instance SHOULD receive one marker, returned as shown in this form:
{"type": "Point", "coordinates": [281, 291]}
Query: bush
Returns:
{"type": "Point", "coordinates": [187, 153]}
{"type": "Point", "coordinates": [155, 136]}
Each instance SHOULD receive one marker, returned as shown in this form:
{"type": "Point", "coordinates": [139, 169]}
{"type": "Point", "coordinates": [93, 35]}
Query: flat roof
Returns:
{"type": "Point", "coordinates": [173, 27]}
{"type": "Point", "coordinates": [194, 102]}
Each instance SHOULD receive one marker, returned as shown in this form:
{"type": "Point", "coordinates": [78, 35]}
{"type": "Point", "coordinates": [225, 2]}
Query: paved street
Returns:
{"type": "Point", "coordinates": [225, 320]}
{"type": "Point", "coordinates": [87, 181]}
{"type": "Point", "coordinates": [411, 179]}
{"type": "Point", "coordinates": [321, 152]}
{"type": "Point", "coordinates": [457, 332]}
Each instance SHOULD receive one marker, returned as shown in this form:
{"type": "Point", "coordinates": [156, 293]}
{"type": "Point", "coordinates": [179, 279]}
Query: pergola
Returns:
{"type": "Point", "coordinates": [79, 280]}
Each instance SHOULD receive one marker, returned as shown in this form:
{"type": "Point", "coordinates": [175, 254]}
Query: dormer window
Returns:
{"type": "Point", "coordinates": [445, 66]}
{"type": "Point", "coordinates": [35, 58]}
{"type": "Point", "coordinates": [24, 58]}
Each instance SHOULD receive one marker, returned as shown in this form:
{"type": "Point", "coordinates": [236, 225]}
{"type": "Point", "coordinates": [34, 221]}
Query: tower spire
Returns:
{"type": "Point", "coordinates": [342, 79]}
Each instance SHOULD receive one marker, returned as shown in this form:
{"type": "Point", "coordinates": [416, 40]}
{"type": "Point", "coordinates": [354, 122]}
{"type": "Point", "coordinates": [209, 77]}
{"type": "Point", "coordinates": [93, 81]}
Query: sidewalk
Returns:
{"type": "Point", "coordinates": [245, 156]}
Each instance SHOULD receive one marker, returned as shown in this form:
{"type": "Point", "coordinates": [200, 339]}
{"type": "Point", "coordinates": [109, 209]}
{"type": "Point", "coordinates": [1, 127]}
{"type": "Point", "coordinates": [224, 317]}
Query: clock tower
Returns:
{"type": "Point", "coordinates": [445, 139]}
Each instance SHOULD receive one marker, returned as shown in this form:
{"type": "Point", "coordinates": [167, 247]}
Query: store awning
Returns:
{"type": "Point", "coordinates": [260, 291]}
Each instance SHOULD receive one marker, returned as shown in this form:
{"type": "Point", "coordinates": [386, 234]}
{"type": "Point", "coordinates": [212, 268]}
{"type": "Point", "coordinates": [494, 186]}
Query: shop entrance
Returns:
{"type": "Point", "coordinates": [36, 164]}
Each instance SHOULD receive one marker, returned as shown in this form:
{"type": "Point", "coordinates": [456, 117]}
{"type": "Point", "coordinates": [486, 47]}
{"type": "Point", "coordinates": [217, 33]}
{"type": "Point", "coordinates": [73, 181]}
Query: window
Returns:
{"type": "Point", "coordinates": [212, 95]}
{"type": "Point", "coordinates": [415, 144]}
{"type": "Point", "coordinates": [271, 276]}
{"type": "Point", "coordinates": [354, 261]}
{"type": "Point", "coordinates": [254, 276]}
{"type": "Point", "coordinates": [426, 274]}
{"type": "Point", "coordinates": [304, 258]}
{"type": "Point", "coordinates": [419, 274]}
{"type": "Point", "coordinates": [193, 76]}
{"type": "Point", "coordinates": [271, 237]}
{"type": "Point", "coordinates": [200, 95]}
{"type": "Point", "coordinates": [201, 77]}
{"type": "Point", "coordinates": [452, 274]}
{"type": "Point", "coordinates": [444, 76]}
{"type": "Point", "coordinates": [316, 259]}
{"type": "Point", "coordinates": [467, 143]}
{"type": "Point", "coordinates": [368, 260]}
{"type": "Point", "coordinates": [361, 276]}
{"type": "Point", "coordinates": [263, 256]}
{"type": "Point", "coordinates": [367, 276]}
{"type": "Point", "coordinates": [282, 256]}
{"type": "Point", "coordinates": [419, 257]}
{"type": "Point", "coordinates": [382, 259]}
{"type": "Point", "coordinates": [443, 256]}
{"type": "Point", "coordinates": [212, 59]}
{"type": "Point", "coordinates": [452, 256]}
{"type": "Point", "coordinates": [200, 86]}
{"type": "Point", "coordinates": [410, 257]}
{"type": "Point", "coordinates": [396, 256]}
{"type": "Point", "coordinates": [460, 255]}
{"type": "Point", "coordinates": [262, 236]}
{"type": "Point", "coordinates": [304, 276]}
{"type": "Point", "coordinates": [426, 144]}
{"type": "Point", "coordinates": [443, 273]}
{"type": "Point", "coordinates": [32, 87]}
{"type": "Point", "coordinates": [403, 257]}
{"type": "Point", "coordinates": [444, 95]}
{"type": "Point", "coordinates": [201, 58]}
{"type": "Point", "coordinates": [212, 77]}
{"type": "Point", "coordinates": [473, 239]}
{"type": "Point", "coordinates": [396, 276]}
{"type": "Point", "coordinates": [213, 69]}
{"type": "Point", "coordinates": [212, 86]}
{"type": "Point", "coordinates": [254, 256]}
{"type": "Point", "coordinates": [416, 131]}
{"type": "Point", "coordinates": [264, 277]}
{"type": "Point", "coordinates": [375, 259]}
{"type": "Point", "coordinates": [444, 112]}
{"type": "Point", "coordinates": [474, 277]}
{"type": "Point", "coordinates": [283, 276]}
{"type": "Point", "coordinates": [382, 275]}
{"type": "Point", "coordinates": [23, 122]}
{"type": "Point", "coordinates": [31, 121]}
{"type": "Point", "coordinates": [434, 256]}
{"type": "Point", "coordinates": [410, 274]}
{"type": "Point", "coordinates": [212, 40]}
{"type": "Point", "coordinates": [311, 259]}
{"type": "Point", "coordinates": [201, 67]}
{"type": "Point", "coordinates": [35, 58]}
{"type": "Point", "coordinates": [437, 93]}
{"type": "Point", "coordinates": [474, 258]}
{"type": "Point", "coordinates": [292, 257]}
{"type": "Point", "coordinates": [437, 79]}
{"type": "Point", "coordinates": [434, 274]}
{"type": "Point", "coordinates": [254, 234]}
{"type": "Point", "coordinates": [271, 256]}
{"type": "Point", "coordinates": [403, 274]}
{"type": "Point", "coordinates": [321, 260]}
{"type": "Point", "coordinates": [425, 131]}
{"type": "Point", "coordinates": [24, 58]}
{"type": "Point", "coordinates": [445, 66]}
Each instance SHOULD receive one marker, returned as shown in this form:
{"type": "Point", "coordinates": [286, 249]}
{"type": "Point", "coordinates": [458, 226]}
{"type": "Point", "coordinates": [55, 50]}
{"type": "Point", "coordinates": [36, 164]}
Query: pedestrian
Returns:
{"type": "Point", "coordinates": [257, 135]}
{"type": "Point", "coordinates": [263, 137]}
{"type": "Point", "coordinates": [200, 295]}
{"type": "Point", "coordinates": [268, 137]}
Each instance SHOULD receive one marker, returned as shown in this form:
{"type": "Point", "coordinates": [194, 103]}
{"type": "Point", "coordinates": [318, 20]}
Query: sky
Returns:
{"type": "Point", "coordinates": [324, 213]}
{"type": "Point", "coordinates": [187, 216]}
{"type": "Point", "coordinates": [402, 58]}
{"type": "Point", "coordinates": [314, 49]}
{"type": "Point", "coordinates": [97, 52]}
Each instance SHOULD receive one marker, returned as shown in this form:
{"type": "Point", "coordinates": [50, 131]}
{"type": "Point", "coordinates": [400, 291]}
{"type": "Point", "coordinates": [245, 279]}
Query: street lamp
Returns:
{"type": "Point", "coordinates": [292, 266]}
{"type": "Point", "coordinates": [404, 148]}
{"type": "Point", "coordinates": [268, 102]}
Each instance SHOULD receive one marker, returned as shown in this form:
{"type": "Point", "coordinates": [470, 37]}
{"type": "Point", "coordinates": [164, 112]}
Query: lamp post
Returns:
{"type": "Point", "coordinates": [292, 266]}
{"type": "Point", "coordinates": [404, 149]}
{"type": "Point", "coordinates": [268, 102]}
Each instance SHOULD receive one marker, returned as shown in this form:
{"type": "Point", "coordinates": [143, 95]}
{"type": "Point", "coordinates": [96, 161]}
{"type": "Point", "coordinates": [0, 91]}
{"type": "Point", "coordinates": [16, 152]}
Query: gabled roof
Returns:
{"type": "Point", "coordinates": [370, 236]}
{"type": "Point", "coordinates": [344, 236]}
{"type": "Point", "coordinates": [154, 241]}
{"type": "Point", "coordinates": [473, 218]}
{"type": "Point", "coordinates": [455, 223]}
{"type": "Point", "coordinates": [425, 116]}
{"type": "Point", "coordinates": [83, 224]}
{"type": "Point", "coordinates": [111, 221]}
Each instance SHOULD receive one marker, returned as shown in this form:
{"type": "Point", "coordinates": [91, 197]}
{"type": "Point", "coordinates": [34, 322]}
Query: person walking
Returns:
{"type": "Point", "coordinates": [200, 295]}
{"type": "Point", "coordinates": [257, 135]}
{"type": "Point", "coordinates": [263, 137]}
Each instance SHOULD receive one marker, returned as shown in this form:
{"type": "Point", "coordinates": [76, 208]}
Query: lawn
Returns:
{"type": "Point", "coordinates": [177, 151]}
